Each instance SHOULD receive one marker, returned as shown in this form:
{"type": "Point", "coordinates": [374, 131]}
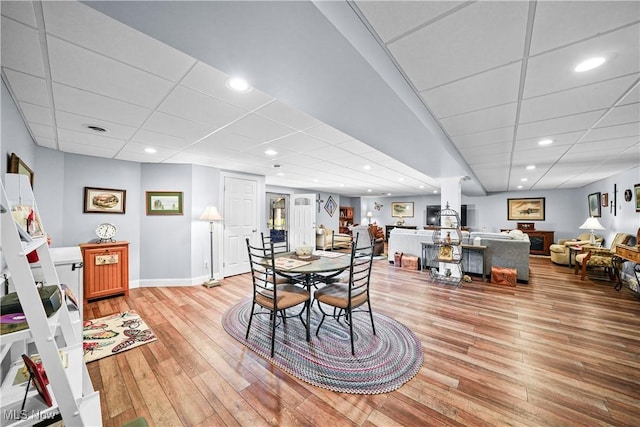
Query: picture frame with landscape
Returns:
{"type": "Point", "coordinates": [527, 209]}
{"type": "Point", "coordinates": [402, 209]}
{"type": "Point", "coordinates": [164, 202]}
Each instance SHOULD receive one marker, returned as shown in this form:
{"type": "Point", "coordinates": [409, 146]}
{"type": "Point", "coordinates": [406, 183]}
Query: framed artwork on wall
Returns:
{"type": "Point", "coordinates": [16, 165]}
{"type": "Point", "coordinates": [330, 206]}
{"type": "Point", "coordinates": [605, 200]}
{"type": "Point", "coordinates": [104, 200]}
{"type": "Point", "coordinates": [530, 209]}
{"type": "Point", "coordinates": [164, 203]}
{"type": "Point", "coordinates": [636, 190]}
{"type": "Point", "coordinates": [402, 209]}
{"type": "Point", "coordinates": [594, 204]}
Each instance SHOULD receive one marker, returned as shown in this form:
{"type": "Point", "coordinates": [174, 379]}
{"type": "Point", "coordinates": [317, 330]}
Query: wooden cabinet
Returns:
{"type": "Point", "coordinates": [346, 219]}
{"type": "Point", "coordinates": [106, 269]}
{"type": "Point", "coordinates": [540, 242]}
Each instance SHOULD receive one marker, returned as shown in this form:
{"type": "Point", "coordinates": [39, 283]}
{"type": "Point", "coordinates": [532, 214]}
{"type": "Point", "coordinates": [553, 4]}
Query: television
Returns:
{"type": "Point", "coordinates": [432, 215]}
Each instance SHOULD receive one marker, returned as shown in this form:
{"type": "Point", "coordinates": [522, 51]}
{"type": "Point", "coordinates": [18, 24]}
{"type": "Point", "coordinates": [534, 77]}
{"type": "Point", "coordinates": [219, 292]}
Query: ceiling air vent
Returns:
{"type": "Point", "coordinates": [96, 128]}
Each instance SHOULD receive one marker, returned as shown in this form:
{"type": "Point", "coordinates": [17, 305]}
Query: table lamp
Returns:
{"type": "Point", "coordinates": [369, 216]}
{"type": "Point", "coordinates": [591, 224]}
{"type": "Point", "coordinates": [211, 214]}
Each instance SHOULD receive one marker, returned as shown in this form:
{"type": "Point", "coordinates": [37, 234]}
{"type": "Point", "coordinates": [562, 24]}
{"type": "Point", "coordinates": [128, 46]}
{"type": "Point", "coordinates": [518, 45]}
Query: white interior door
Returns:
{"type": "Point", "coordinates": [302, 222]}
{"type": "Point", "coordinates": [240, 222]}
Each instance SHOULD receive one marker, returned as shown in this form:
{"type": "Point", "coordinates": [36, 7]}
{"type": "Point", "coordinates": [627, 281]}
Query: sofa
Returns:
{"type": "Point", "coordinates": [502, 249]}
{"type": "Point", "coordinates": [560, 251]}
{"type": "Point", "coordinates": [328, 239]}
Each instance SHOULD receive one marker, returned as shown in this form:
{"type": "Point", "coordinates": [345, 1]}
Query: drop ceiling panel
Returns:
{"type": "Point", "coordinates": [212, 82]}
{"type": "Point", "coordinates": [328, 134]}
{"type": "Point", "coordinates": [78, 123]}
{"type": "Point", "coordinates": [499, 148]}
{"type": "Point", "coordinates": [611, 132]}
{"type": "Point", "coordinates": [592, 97]}
{"type": "Point", "coordinates": [620, 115]}
{"type": "Point", "coordinates": [21, 11]}
{"type": "Point", "coordinates": [21, 48]}
{"type": "Point", "coordinates": [27, 88]}
{"type": "Point", "coordinates": [356, 147]}
{"type": "Point", "coordinates": [87, 150]}
{"type": "Point", "coordinates": [553, 71]}
{"type": "Point", "coordinates": [488, 89]}
{"type": "Point", "coordinates": [489, 118]}
{"type": "Point", "coordinates": [94, 31]}
{"type": "Point", "coordinates": [42, 131]}
{"type": "Point", "coordinates": [36, 114]}
{"type": "Point", "coordinates": [497, 160]}
{"type": "Point", "coordinates": [176, 126]}
{"type": "Point", "coordinates": [159, 140]}
{"type": "Point", "coordinates": [492, 136]}
{"type": "Point", "coordinates": [392, 18]}
{"type": "Point", "coordinates": [632, 97]}
{"type": "Point", "coordinates": [141, 157]}
{"type": "Point", "coordinates": [487, 35]}
{"type": "Point", "coordinates": [259, 151]}
{"type": "Point", "coordinates": [259, 129]}
{"type": "Point", "coordinates": [228, 140]}
{"type": "Point", "coordinates": [558, 140]}
{"type": "Point", "coordinates": [46, 142]}
{"type": "Point", "coordinates": [70, 136]}
{"type": "Point", "coordinates": [562, 22]}
{"type": "Point", "coordinates": [189, 104]}
{"type": "Point", "coordinates": [282, 113]}
{"type": "Point", "coordinates": [83, 69]}
{"type": "Point", "coordinates": [561, 125]}
{"type": "Point", "coordinates": [100, 107]}
{"type": "Point", "coordinates": [299, 142]}
{"type": "Point", "coordinates": [541, 155]}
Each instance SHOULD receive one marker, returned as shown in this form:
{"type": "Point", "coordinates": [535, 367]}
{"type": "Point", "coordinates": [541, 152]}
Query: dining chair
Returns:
{"type": "Point", "coordinates": [270, 295]}
{"type": "Point", "coordinates": [279, 238]}
{"type": "Point", "coordinates": [349, 297]}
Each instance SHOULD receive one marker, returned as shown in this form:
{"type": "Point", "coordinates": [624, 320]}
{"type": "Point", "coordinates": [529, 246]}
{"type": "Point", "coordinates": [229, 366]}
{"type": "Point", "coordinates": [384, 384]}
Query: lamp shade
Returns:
{"type": "Point", "coordinates": [591, 224]}
{"type": "Point", "coordinates": [369, 215]}
{"type": "Point", "coordinates": [211, 214]}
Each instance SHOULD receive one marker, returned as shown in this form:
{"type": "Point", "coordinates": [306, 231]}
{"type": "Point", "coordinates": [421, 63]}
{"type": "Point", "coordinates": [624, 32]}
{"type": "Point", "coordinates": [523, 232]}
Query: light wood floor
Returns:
{"type": "Point", "coordinates": [556, 352]}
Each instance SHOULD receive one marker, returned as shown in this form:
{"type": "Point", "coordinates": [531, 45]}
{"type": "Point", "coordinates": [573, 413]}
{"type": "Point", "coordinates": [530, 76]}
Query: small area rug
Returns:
{"type": "Point", "coordinates": [383, 362]}
{"type": "Point", "coordinates": [114, 334]}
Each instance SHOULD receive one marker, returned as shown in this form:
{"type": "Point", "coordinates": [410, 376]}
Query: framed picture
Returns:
{"type": "Point", "coordinates": [402, 209]}
{"type": "Point", "coordinates": [16, 165]}
{"type": "Point", "coordinates": [594, 204]}
{"type": "Point", "coordinates": [445, 253]}
{"type": "Point", "coordinates": [164, 202]}
{"type": "Point", "coordinates": [636, 189]}
{"type": "Point", "coordinates": [104, 200]}
{"type": "Point", "coordinates": [605, 199]}
{"type": "Point", "coordinates": [530, 209]}
{"type": "Point", "coordinates": [330, 206]}
{"type": "Point", "coordinates": [37, 375]}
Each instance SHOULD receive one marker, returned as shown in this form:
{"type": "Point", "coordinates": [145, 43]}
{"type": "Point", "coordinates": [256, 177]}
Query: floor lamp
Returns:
{"type": "Point", "coordinates": [211, 214]}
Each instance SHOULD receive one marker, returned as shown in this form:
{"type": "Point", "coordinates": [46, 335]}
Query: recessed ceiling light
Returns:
{"type": "Point", "coordinates": [366, 167]}
{"type": "Point", "coordinates": [280, 174]}
{"type": "Point", "coordinates": [435, 191]}
{"type": "Point", "coordinates": [524, 179]}
{"type": "Point", "coordinates": [238, 84]}
{"type": "Point", "coordinates": [270, 152]}
{"type": "Point", "coordinates": [150, 150]}
{"type": "Point", "coordinates": [369, 190]}
{"type": "Point", "coordinates": [531, 167]}
{"type": "Point", "coordinates": [589, 64]}
{"type": "Point", "coordinates": [545, 142]}
{"type": "Point", "coordinates": [316, 180]}
{"type": "Point", "coordinates": [341, 185]}
{"type": "Point", "coordinates": [96, 128]}
{"type": "Point", "coordinates": [421, 187]}
{"type": "Point", "coordinates": [519, 187]}
{"type": "Point", "coordinates": [401, 179]}
{"type": "Point", "coordinates": [388, 194]}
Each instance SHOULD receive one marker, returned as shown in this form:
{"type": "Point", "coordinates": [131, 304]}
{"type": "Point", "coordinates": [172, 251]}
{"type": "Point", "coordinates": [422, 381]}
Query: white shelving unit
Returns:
{"type": "Point", "coordinates": [70, 387]}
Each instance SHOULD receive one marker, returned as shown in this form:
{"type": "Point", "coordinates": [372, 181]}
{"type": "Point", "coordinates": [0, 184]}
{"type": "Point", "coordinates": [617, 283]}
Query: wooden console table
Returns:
{"type": "Point", "coordinates": [626, 253]}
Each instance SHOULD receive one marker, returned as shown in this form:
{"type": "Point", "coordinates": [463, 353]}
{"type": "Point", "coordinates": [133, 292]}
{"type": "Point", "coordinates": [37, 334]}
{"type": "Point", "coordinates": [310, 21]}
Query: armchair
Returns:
{"type": "Point", "coordinates": [328, 239]}
{"type": "Point", "coordinates": [560, 251]}
{"type": "Point", "coordinates": [599, 257]}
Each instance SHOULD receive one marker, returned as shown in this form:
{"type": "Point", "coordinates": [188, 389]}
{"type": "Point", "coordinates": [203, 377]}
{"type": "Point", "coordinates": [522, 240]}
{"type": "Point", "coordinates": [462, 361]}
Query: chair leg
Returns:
{"type": "Point", "coordinates": [584, 270]}
{"type": "Point", "coordinates": [253, 306]}
{"type": "Point", "coordinates": [273, 333]}
{"type": "Point", "coordinates": [353, 350]}
{"type": "Point", "coordinates": [371, 315]}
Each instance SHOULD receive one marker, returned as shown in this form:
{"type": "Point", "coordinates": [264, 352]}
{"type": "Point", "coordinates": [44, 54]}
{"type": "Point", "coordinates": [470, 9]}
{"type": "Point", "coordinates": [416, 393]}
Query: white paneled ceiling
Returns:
{"type": "Point", "coordinates": [485, 82]}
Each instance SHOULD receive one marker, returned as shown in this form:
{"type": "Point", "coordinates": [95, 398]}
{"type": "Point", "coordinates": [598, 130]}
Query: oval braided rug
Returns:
{"type": "Point", "coordinates": [383, 362]}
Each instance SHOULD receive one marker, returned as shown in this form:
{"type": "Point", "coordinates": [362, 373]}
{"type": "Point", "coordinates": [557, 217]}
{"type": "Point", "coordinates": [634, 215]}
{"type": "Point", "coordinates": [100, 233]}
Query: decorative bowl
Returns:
{"type": "Point", "coordinates": [304, 250]}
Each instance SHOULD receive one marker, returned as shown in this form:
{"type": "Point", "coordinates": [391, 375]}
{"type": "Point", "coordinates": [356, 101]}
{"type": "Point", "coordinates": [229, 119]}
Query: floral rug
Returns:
{"type": "Point", "coordinates": [382, 363]}
{"type": "Point", "coordinates": [114, 334]}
